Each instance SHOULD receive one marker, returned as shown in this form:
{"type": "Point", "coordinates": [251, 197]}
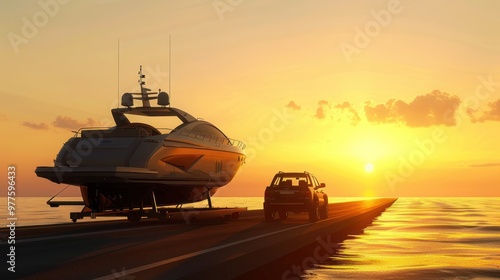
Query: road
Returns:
{"type": "Point", "coordinates": [206, 249]}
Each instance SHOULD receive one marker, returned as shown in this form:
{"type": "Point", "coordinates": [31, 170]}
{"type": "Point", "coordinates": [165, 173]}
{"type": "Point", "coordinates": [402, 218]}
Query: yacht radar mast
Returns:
{"type": "Point", "coordinates": [145, 95]}
{"type": "Point", "coordinates": [144, 91]}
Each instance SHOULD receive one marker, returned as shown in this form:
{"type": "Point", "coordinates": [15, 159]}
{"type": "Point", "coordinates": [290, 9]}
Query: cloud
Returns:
{"type": "Point", "coordinates": [37, 126]}
{"type": "Point", "coordinates": [492, 164]}
{"type": "Point", "coordinates": [321, 112]}
{"type": "Point", "coordinates": [353, 115]}
{"type": "Point", "coordinates": [293, 106]}
{"type": "Point", "coordinates": [3, 118]}
{"type": "Point", "coordinates": [491, 113]}
{"type": "Point", "coordinates": [435, 108]}
{"type": "Point", "coordinates": [382, 113]}
{"type": "Point", "coordinates": [323, 102]}
{"type": "Point", "coordinates": [70, 123]}
{"type": "Point", "coordinates": [340, 112]}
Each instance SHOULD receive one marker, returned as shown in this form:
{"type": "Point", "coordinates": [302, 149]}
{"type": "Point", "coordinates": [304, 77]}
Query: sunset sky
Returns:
{"type": "Point", "coordinates": [410, 89]}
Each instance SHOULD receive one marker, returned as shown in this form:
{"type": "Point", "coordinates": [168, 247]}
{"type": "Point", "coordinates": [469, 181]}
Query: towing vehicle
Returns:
{"type": "Point", "coordinates": [296, 192]}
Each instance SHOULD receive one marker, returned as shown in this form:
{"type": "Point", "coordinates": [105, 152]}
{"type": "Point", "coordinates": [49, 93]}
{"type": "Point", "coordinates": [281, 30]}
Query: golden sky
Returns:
{"type": "Point", "coordinates": [410, 89]}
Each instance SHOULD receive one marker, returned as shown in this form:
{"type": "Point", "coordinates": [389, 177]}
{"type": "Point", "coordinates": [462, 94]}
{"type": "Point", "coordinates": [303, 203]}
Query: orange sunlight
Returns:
{"type": "Point", "coordinates": [389, 116]}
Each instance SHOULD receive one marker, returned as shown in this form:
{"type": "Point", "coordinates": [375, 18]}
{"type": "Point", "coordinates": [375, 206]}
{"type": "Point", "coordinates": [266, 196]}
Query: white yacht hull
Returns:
{"type": "Point", "coordinates": [123, 171]}
{"type": "Point", "coordinates": [135, 165]}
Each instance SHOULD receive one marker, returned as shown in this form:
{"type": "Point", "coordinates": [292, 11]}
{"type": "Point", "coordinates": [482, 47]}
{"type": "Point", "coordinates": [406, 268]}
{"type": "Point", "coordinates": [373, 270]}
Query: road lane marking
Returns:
{"type": "Point", "coordinates": [197, 253]}
{"type": "Point", "coordinates": [205, 251]}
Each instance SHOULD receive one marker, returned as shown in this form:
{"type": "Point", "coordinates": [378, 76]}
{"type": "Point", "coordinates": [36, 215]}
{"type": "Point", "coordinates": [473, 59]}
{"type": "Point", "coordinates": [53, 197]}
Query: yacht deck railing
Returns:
{"type": "Point", "coordinates": [210, 138]}
{"type": "Point", "coordinates": [217, 140]}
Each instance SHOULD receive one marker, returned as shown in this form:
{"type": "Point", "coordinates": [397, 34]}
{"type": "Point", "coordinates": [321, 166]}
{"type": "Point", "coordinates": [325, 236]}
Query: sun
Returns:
{"type": "Point", "coordinates": [369, 168]}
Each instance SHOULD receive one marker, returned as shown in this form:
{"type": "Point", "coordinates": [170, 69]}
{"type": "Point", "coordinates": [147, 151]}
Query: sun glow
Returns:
{"type": "Point", "coordinates": [369, 168]}
{"type": "Point", "coordinates": [368, 144]}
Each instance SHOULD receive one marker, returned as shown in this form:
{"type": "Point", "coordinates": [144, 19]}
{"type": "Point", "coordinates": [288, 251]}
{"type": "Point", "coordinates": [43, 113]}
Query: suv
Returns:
{"type": "Point", "coordinates": [297, 192]}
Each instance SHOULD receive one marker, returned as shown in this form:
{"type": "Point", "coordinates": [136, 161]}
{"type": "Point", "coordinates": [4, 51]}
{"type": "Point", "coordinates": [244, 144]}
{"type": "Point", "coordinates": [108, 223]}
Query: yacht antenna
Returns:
{"type": "Point", "coordinates": [169, 64]}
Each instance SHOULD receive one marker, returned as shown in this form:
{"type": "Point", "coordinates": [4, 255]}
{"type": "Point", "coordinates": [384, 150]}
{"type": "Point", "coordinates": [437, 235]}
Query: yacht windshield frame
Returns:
{"type": "Point", "coordinates": [119, 114]}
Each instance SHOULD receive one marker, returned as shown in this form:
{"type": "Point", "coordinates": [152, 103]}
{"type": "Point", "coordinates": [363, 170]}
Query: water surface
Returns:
{"type": "Point", "coordinates": [422, 238]}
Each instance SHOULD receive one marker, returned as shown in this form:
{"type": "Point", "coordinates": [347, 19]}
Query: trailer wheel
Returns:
{"type": "Point", "coordinates": [74, 220]}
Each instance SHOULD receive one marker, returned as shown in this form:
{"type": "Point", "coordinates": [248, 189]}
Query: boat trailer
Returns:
{"type": "Point", "coordinates": [178, 213]}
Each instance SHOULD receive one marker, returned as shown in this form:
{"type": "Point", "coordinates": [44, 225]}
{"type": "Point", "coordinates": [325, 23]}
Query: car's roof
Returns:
{"type": "Point", "coordinates": [293, 174]}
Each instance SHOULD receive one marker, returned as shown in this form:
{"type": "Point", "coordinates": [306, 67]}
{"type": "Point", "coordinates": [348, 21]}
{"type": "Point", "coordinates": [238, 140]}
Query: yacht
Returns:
{"type": "Point", "coordinates": [134, 164]}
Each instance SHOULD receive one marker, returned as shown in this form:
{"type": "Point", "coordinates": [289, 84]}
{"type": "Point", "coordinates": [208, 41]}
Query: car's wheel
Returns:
{"type": "Point", "coordinates": [314, 212]}
{"type": "Point", "coordinates": [283, 215]}
{"type": "Point", "coordinates": [268, 214]}
{"type": "Point", "coordinates": [323, 213]}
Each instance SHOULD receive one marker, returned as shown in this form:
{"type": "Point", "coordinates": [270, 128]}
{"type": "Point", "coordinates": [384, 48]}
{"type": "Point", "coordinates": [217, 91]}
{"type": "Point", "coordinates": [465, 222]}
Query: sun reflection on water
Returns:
{"type": "Point", "coordinates": [439, 238]}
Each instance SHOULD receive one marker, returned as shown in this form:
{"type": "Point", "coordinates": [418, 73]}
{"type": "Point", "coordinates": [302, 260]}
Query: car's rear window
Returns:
{"type": "Point", "coordinates": [295, 180]}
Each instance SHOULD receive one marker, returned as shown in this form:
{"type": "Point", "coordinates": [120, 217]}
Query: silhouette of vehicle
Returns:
{"type": "Point", "coordinates": [296, 192]}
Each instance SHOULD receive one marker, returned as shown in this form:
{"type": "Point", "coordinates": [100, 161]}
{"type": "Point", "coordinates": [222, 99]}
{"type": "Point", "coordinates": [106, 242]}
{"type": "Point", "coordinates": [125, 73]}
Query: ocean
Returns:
{"type": "Point", "coordinates": [422, 238]}
{"type": "Point", "coordinates": [416, 238]}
